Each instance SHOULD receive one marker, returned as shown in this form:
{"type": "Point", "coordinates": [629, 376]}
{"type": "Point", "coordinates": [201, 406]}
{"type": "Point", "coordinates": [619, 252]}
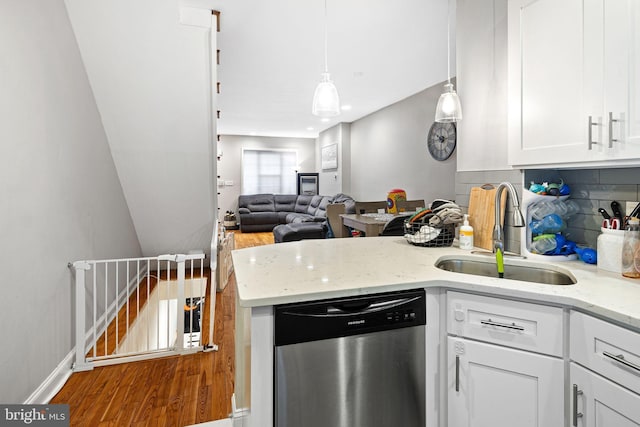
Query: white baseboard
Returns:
{"type": "Point", "coordinates": [53, 383]}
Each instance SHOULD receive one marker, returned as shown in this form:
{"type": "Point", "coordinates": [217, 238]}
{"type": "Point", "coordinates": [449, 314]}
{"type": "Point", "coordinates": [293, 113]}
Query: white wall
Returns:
{"type": "Point", "coordinates": [388, 150]}
{"type": "Point", "coordinates": [481, 49]}
{"type": "Point", "coordinates": [61, 198]}
{"type": "Point", "coordinates": [230, 164]}
{"type": "Point", "coordinates": [150, 77]}
{"type": "Point", "coordinates": [338, 180]}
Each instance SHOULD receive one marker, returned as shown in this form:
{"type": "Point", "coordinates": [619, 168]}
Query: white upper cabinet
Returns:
{"type": "Point", "coordinates": [621, 70]}
{"type": "Point", "coordinates": [571, 64]}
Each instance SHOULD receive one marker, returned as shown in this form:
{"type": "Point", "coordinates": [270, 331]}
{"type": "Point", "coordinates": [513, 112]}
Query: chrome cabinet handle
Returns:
{"type": "Point", "coordinates": [591, 125]}
{"type": "Point", "coordinates": [457, 373]}
{"type": "Point", "coordinates": [611, 121]}
{"type": "Point", "coordinates": [513, 326]}
{"type": "Point", "coordinates": [576, 414]}
{"type": "Point", "coordinates": [620, 359]}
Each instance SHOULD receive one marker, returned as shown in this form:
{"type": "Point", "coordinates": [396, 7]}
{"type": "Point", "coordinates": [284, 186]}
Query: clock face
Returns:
{"type": "Point", "coordinates": [441, 140]}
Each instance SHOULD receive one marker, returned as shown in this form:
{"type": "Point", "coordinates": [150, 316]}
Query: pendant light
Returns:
{"type": "Point", "coordinates": [448, 108]}
{"type": "Point", "coordinates": [326, 102]}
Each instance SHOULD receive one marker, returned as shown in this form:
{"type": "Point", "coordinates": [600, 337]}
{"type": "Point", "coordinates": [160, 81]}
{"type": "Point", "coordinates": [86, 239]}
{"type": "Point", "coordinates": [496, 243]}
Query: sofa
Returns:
{"type": "Point", "coordinates": [264, 212]}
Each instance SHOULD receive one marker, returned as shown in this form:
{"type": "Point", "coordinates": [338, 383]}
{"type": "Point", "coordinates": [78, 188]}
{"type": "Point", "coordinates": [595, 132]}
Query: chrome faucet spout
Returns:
{"type": "Point", "coordinates": [517, 221]}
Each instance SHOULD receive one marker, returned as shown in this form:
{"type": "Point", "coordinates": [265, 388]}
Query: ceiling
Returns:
{"type": "Point", "coordinates": [271, 57]}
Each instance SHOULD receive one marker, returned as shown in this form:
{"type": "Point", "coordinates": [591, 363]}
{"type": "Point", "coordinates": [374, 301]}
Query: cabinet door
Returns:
{"type": "Point", "coordinates": [489, 385]}
{"type": "Point", "coordinates": [600, 402]}
{"type": "Point", "coordinates": [547, 96]}
{"type": "Point", "coordinates": [621, 67]}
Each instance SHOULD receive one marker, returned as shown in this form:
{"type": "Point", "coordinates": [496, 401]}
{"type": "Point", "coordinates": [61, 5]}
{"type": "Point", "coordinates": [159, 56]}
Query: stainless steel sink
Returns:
{"type": "Point", "coordinates": [523, 270]}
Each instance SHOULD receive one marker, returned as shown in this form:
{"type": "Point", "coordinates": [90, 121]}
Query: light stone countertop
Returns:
{"type": "Point", "coordinates": [318, 269]}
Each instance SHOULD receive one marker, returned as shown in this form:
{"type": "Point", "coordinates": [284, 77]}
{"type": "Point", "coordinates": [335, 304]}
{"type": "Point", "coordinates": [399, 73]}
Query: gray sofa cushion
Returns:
{"type": "Point", "coordinates": [285, 202]}
{"type": "Point", "coordinates": [257, 203]}
{"type": "Point", "coordinates": [294, 217]}
{"type": "Point", "coordinates": [313, 206]}
{"type": "Point", "coordinates": [302, 204]}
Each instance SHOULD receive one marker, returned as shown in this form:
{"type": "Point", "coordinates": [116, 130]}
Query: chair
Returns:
{"type": "Point", "coordinates": [370, 207]}
{"type": "Point", "coordinates": [335, 222]}
{"type": "Point", "coordinates": [410, 205]}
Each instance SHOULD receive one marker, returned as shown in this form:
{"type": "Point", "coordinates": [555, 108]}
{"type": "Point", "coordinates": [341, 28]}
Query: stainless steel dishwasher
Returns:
{"type": "Point", "coordinates": [352, 362]}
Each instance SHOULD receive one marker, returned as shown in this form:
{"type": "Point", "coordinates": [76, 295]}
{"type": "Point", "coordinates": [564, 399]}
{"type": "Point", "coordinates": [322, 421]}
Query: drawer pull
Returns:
{"type": "Point", "coordinates": [513, 326]}
{"type": "Point", "coordinates": [576, 414]}
{"type": "Point", "coordinates": [611, 121]}
{"type": "Point", "coordinates": [590, 129]}
{"type": "Point", "coordinates": [457, 373]}
{"type": "Point", "coordinates": [620, 359]}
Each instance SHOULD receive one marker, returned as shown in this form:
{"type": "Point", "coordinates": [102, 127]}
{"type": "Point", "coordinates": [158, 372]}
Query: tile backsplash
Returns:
{"type": "Point", "coordinates": [590, 189]}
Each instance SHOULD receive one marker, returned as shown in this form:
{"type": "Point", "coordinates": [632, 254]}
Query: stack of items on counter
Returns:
{"type": "Point", "coordinates": [620, 241]}
{"type": "Point", "coordinates": [434, 227]}
{"type": "Point", "coordinates": [549, 220]}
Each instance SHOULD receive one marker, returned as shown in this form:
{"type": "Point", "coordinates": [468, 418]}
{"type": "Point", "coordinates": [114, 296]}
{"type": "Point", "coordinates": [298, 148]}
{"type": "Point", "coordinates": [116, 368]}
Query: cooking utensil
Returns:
{"type": "Point", "coordinates": [604, 213]}
{"type": "Point", "coordinates": [482, 214]}
{"type": "Point", "coordinates": [617, 211]}
{"type": "Point", "coordinates": [635, 211]}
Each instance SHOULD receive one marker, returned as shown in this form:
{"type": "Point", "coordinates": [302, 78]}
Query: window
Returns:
{"type": "Point", "coordinates": [269, 171]}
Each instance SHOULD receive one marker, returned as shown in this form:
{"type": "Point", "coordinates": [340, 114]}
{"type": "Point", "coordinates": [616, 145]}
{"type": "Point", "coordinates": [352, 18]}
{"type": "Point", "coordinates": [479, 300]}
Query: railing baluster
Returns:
{"type": "Point", "coordinates": [117, 301]}
{"type": "Point", "coordinates": [106, 308]}
{"type": "Point", "coordinates": [94, 326]}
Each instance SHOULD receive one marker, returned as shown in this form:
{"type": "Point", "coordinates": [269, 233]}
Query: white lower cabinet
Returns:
{"type": "Point", "coordinates": [598, 402]}
{"type": "Point", "coordinates": [504, 363]}
{"type": "Point", "coordinates": [494, 386]}
{"type": "Point", "coordinates": [605, 373]}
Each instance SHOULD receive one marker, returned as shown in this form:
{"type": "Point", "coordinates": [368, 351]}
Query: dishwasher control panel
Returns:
{"type": "Point", "coordinates": [312, 321]}
{"type": "Point", "coordinates": [401, 316]}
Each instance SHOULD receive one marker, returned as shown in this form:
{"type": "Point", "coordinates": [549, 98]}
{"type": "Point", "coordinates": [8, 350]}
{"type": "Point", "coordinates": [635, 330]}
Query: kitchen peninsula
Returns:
{"type": "Point", "coordinates": [312, 270]}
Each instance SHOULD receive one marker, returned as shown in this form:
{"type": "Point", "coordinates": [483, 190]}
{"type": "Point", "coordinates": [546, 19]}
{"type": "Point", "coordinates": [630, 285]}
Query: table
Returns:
{"type": "Point", "coordinates": [371, 226]}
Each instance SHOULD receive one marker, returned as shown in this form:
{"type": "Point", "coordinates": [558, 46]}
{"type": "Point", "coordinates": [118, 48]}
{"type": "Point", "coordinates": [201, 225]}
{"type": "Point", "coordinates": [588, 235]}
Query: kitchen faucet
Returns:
{"type": "Point", "coordinates": [518, 221]}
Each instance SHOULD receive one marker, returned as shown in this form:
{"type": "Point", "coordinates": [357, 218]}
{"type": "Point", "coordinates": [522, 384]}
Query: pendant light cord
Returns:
{"type": "Point", "coordinates": [448, 45]}
{"type": "Point", "coordinates": [326, 61]}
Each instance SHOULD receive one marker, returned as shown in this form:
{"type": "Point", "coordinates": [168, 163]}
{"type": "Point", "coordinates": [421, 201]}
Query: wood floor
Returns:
{"type": "Point", "coordinates": [173, 391]}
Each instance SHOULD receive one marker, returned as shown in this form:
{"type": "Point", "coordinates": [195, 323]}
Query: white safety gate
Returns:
{"type": "Point", "coordinates": [139, 308]}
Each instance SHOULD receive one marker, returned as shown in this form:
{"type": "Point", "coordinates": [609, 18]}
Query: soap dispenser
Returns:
{"type": "Point", "coordinates": [466, 234]}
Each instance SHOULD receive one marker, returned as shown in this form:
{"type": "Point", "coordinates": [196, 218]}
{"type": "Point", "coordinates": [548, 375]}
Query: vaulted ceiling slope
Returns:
{"type": "Point", "coordinates": [380, 51]}
{"type": "Point", "coordinates": [149, 77]}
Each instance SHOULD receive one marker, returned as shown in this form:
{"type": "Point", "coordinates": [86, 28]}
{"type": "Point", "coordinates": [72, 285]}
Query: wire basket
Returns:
{"type": "Point", "coordinates": [420, 233]}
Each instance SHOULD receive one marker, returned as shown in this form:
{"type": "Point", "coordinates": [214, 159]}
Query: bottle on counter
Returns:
{"type": "Point", "coordinates": [631, 249]}
{"type": "Point", "coordinates": [466, 234]}
{"type": "Point", "coordinates": [544, 244]}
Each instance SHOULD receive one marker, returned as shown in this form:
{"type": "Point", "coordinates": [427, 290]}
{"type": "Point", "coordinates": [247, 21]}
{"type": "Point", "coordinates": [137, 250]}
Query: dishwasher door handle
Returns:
{"type": "Point", "coordinates": [344, 311]}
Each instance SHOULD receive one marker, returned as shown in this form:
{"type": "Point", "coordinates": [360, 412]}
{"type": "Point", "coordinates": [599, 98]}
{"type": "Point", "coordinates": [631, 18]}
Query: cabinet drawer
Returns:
{"type": "Point", "coordinates": [515, 324]}
{"type": "Point", "coordinates": [610, 350]}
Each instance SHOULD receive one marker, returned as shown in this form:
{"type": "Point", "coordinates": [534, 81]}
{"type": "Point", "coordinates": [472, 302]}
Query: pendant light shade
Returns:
{"type": "Point", "coordinates": [448, 108]}
{"type": "Point", "coordinates": [326, 102]}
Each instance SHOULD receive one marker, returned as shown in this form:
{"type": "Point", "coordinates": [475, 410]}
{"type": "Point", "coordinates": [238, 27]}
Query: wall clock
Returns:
{"type": "Point", "coordinates": [441, 140]}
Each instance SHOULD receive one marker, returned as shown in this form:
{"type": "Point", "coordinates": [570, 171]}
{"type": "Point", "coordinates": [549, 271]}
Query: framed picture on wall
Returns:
{"type": "Point", "coordinates": [329, 157]}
